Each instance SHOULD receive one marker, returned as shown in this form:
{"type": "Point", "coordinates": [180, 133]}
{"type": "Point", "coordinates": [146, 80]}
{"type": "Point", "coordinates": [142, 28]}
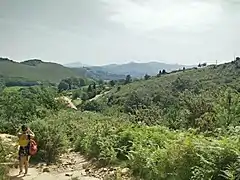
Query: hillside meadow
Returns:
{"type": "Point", "coordinates": [175, 126]}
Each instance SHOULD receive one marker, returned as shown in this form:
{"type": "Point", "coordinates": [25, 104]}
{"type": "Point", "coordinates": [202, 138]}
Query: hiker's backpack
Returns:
{"type": "Point", "coordinates": [32, 147]}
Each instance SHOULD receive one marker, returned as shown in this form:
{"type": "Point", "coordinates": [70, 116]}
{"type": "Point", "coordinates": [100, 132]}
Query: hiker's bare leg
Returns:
{"type": "Point", "coordinates": [26, 164]}
{"type": "Point", "coordinates": [29, 158]}
{"type": "Point", "coordinates": [21, 162]}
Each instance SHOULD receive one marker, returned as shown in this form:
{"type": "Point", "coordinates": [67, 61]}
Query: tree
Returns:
{"type": "Point", "coordinates": [118, 88]}
{"type": "Point", "coordinates": [63, 86]}
{"type": "Point", "coordinates": [89, 88]}
{"type": "Point", "coordinates": [69, 82]}
{"type": "Point", "coordinates": [159, 73]}
{"type": "Point", "coordinates": [237, 58]}
{"type": "Point", "coordinates": [75, 82]}
{"type": "Point", "coordinates": [94, 85]}
{"type": "Point", "coordinates": [146, 77]}
{"type": "Point", "coordinates": [82, 82]}
{"type": "Point", "coordinates": [164, 71]}
{"type": "Point", "coordinates": [112, 83]}
{"type": "Point", "coordinates": [21, 107]}
{"type": "Point", "coordinates": [92, 106]}
{"type": "Point", "coordinates": [76, 94]}
{"type": "Point", "coordinates": [128, 79]}
{"type": "Point", "coordinates": [15, 110]}
{"type": "Point", "coordinates": [204, 64]}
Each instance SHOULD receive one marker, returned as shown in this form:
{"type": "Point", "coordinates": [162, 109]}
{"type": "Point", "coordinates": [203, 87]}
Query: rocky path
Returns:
{"type": "Point", "coordinates": [70, 168]}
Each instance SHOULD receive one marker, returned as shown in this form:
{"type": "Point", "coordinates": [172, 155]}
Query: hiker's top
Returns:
{"type": "Point", "coordinates": [23, 139]}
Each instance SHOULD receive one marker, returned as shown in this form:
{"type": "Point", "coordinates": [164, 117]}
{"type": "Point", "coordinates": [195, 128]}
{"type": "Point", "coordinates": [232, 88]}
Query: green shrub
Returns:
{"type": "Point", "coordinates": [157, 152]}
{"type": "Point", "coordinates": [92, 106]}
{"type": "Point", "coordinates": [24, 106]}
{"type": "Point", "coordinates": [51, 140]}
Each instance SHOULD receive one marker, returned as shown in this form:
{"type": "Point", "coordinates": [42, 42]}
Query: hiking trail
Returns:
{"type": "Point", "coordinates": [72, 167]}
{"type": "Point", "coordinates": [99, 95]}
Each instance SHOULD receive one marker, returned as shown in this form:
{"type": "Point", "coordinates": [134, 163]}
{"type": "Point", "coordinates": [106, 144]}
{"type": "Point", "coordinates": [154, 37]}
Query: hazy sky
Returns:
{"type": "Point", "coordinates": [117, 31]}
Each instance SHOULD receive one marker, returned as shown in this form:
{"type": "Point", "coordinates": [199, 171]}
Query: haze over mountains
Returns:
{"type": "Point", "coordinates": [132, 68]}
{"type": "Point", "coordinates": [36, 69]}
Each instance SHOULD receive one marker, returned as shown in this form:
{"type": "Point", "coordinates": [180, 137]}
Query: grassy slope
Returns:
{"type": "Point", "coordinates": [205, 78]}
{"type": "Point", "coordinates": [42, 71]}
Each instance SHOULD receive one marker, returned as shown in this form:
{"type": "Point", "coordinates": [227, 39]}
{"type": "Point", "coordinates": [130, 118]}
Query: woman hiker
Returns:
{"type": "Point", "coordinates": [23, 153]}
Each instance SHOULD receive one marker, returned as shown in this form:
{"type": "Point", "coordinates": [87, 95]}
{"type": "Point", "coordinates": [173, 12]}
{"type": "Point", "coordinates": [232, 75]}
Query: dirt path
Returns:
{"type": "Point", "coordinates": [70, 168]}
{"type": "Point", "coordinates": [68, 102]}
{"type": "Point", "coordinates": [98, 96]}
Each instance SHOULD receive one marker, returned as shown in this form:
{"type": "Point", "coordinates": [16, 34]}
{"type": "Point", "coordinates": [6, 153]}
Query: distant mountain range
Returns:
{"type": "Point", "coordinates": [38, 70]}
{"type": "Point", "coordinates": [75, 65]}
{"type": "Point", "coordinates": [134, 69]}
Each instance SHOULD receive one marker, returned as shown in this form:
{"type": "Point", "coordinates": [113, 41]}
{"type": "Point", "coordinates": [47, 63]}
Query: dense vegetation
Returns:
{"type": "Point", "coordinates": [180, 125]}
{"type": "Point", "coordinates": [205, 99]}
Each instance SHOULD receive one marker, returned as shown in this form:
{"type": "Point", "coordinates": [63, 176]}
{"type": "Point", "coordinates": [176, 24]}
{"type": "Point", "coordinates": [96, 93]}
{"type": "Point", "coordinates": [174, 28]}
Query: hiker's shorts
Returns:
{"type": "Point", "coordinates": [23, 151]}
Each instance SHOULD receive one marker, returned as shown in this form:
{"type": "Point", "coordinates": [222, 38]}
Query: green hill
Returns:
{"type": "Point", "coordinates": [180, 99]}
{"type": "Point", "coordinates": [36, 70]}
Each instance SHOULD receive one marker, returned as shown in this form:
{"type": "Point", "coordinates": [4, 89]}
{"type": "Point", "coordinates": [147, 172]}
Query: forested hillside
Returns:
{"type": "Point", "coordinates": [186, 98]}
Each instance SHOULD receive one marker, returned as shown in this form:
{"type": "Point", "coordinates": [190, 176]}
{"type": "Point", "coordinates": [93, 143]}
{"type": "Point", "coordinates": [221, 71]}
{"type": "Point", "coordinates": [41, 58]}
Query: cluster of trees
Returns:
{"type": "Point", "coordinates": [71, 83]}
{"type": "Point", "coordinates": [25, 105]}
{"type": "Point", "coordinates": [88, 92]}
{"type": "Point", "coordinates": [161, 72]}
{"type": "Point", "coordinates": [11, 81]}
{"type": "Point", "coordinates": [127, 80]}
{"type": "Point", "coordinates": [202, 65]}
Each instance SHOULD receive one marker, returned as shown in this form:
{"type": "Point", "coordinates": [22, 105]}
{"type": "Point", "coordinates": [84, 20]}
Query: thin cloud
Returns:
{"type": "Point", "coordinates": [165, 15]}
{"type": "Point", "coordinates": [118, 31]}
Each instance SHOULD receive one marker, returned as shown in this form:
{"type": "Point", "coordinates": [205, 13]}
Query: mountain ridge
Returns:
{"type": "Point", "coordinates": [39, 70]}
{"type": "Point", "coordinates": [138, 70]}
